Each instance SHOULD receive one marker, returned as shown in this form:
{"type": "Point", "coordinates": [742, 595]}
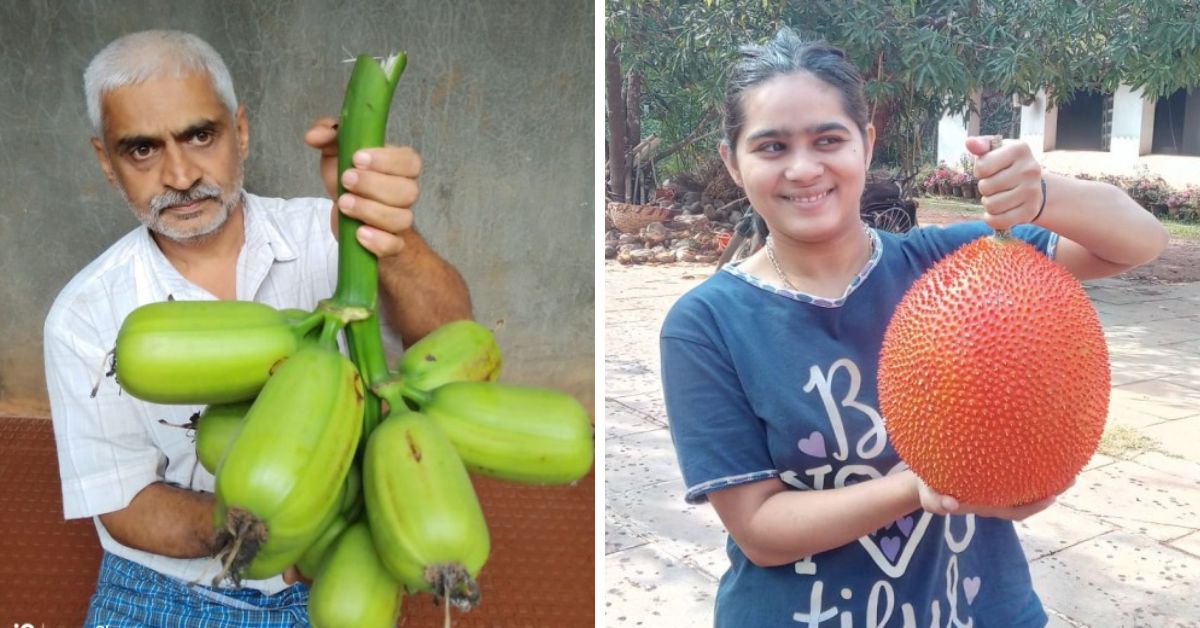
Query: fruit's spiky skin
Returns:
{"type": "Point", "coordinates": [994, 376]}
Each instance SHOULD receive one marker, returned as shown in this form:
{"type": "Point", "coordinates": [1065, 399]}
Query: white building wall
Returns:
{"type": "Point", "coordinates": [1147, 143]}
{"type": "Point", "coordinates": [1132, 140]}
{"type": "Point", "coordinates": [1127, 125]}
{"type": "Point", "coordinates": [1039, 125]}
{"type": "Point", "coordinates": [953, 131]}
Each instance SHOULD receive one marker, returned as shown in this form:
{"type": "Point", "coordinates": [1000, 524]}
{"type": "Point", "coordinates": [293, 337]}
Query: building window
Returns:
{"type": "Point", "coordinates": [1170, 113]}
{"type": "Point", "coordinates": [1085, 123]}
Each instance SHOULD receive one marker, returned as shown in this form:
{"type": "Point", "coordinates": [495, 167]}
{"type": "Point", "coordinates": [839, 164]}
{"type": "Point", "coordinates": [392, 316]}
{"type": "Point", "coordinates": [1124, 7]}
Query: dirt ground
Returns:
{"type": "Point", "coordinates": [1180, 263]}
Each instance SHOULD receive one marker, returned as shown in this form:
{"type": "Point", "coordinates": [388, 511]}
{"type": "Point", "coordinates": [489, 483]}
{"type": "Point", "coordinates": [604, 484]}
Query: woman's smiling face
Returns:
{"type": "Point", "coordinates": [801, 160]}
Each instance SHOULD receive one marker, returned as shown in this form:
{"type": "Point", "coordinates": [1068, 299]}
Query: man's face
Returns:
{"type": "Point", "coordinates": [175, 153]}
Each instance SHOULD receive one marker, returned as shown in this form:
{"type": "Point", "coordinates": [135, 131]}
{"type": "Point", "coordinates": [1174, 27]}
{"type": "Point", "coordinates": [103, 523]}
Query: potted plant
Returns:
{"type": "Point", "coordinates": [968, 182]}
{"type": "Point", "coordinates": [941, 180]}
{"type": "Point", "coordinates": [923, 180]}
{"type": "Point", "coordinates": [1150, 191]}
{"type": "Point", "coordinates": [1184, 204]}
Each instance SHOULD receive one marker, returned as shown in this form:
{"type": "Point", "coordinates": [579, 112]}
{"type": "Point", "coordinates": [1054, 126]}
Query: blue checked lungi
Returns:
{"type": "Point", "coordinates": [128, 594]}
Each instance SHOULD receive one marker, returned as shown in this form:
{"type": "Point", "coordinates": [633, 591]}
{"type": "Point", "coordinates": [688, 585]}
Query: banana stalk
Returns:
{"type": "Point", "coordinates": [362, 125]}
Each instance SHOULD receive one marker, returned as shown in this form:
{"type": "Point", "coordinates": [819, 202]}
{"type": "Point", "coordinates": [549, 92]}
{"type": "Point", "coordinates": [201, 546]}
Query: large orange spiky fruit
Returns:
{"type": "Point", "coordinates": [994, 378]}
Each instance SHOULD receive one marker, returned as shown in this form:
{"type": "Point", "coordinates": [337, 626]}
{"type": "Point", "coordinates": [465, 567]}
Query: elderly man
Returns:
{"type": "Point", "coordinates": [171, 138]}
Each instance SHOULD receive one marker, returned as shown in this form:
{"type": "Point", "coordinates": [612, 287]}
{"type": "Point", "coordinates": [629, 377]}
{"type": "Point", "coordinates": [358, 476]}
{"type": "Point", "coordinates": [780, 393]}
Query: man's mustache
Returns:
{"type": "Point", "coordinates": [173, 198]}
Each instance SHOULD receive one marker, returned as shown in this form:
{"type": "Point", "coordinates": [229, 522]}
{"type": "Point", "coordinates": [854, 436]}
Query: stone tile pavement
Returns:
{"type": "Point", "coordinates": [1120, 549]}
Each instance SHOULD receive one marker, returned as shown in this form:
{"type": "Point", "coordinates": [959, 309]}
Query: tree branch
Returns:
{"type": "Point", "coordinates": [696, 135]}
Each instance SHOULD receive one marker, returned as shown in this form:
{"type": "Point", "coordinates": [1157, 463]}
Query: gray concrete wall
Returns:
{"type": "Point", "coordinates": [497, 97]}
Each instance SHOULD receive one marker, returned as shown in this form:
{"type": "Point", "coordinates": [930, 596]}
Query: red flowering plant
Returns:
{"type": "Point", "coordinates": [1184, 204]}
{"type": "Point", "coordinates": [939, 179]}
{"type": "Point", "coordinates": [965, 181]}
{"type": "Point", "coordinates": [1150, 191]}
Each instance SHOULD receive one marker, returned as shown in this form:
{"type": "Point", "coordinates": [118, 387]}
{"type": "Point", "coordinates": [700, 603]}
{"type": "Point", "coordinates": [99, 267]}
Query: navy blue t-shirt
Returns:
{"type": "Point", "coordinates": [762, 382]}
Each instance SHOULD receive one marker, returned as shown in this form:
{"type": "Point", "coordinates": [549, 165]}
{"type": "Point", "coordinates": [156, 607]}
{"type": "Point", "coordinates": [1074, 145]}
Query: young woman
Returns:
{"type": "Point", "coordinates": [769, 367]}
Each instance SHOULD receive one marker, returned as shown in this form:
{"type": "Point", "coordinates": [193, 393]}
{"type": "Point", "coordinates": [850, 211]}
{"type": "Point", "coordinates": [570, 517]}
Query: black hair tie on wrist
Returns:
{"type": "Point", "coordinates": [1043, 207]}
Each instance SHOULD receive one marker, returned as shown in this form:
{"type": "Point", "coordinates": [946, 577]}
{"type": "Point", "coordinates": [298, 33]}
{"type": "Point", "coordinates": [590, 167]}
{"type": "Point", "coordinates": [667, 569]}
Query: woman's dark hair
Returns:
{"type": "Point", "coordinates": [787, 54]}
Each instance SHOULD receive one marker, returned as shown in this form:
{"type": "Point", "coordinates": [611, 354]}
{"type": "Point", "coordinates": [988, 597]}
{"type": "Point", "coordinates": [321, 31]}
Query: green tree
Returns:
{"type": "Point", "coordinates": [920, 59]}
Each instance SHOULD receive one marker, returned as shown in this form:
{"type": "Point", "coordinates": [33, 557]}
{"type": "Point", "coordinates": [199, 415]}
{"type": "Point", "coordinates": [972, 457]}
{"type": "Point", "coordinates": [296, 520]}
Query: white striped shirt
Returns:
{"type": "Point", "coordinates": [112, 446]}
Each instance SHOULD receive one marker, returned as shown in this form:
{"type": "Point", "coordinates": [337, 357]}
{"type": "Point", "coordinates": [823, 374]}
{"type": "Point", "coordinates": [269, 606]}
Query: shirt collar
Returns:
{"type": "Point", "coordinates": [261, 227]}
{"type": "Point", "coordinates": [872, 262]}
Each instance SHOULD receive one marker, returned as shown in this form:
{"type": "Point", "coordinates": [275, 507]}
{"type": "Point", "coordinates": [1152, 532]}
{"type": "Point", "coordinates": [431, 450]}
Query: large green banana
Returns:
{"type": "Point", "coordinates": [216, 428]}
{"type": "Point", "coordinates": [353, 589]}
{"type": "Point", "coordinates": [352, 495]}
{"type": "Point", "coordinates": [349, 509]}
{"type": "Point", "coordinates": [310, 563]}
{"type": "Point", "coordinates": [202, 352]}
{"type": "Point", "coordinates": [283, 480]}
{"type": "Point", "coordinates": [530, 435]}
{"type": "Point", "coordinates": [455, 352]}
{"type": "Point", "coordinates": [425, 518]}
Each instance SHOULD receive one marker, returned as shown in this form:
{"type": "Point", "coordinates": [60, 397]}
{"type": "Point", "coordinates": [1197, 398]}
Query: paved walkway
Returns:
{"type": "Point", "coordinates": [1120, 549]}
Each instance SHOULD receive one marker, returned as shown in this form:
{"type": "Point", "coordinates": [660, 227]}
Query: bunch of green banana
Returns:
{"type": "Point", "coordinates": [521, 434]}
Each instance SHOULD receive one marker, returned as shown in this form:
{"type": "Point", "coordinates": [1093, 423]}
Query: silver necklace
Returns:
{"type": "Point", "coordinates": [784, 278]}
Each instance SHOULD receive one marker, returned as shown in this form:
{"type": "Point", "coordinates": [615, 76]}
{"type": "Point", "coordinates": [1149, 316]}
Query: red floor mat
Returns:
{"type": "Point", "coordinates": [541, 572]}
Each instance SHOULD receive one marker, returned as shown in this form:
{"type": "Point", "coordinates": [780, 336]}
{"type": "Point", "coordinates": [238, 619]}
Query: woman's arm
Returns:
{"type": "Point", "coordinates": [1102, 231]}
{"type": "Point", "coordinates": [774, 525]}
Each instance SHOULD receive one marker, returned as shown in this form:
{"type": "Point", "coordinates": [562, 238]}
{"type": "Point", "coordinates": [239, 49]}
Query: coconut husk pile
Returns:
{"type": "Point", "coordinates": [682, 239]}
{"type": "Point", "coordinates": [687, 228]}
{"type": "Point", "coordinates": [709, 191]}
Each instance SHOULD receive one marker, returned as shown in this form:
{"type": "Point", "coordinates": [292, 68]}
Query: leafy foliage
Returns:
{"type": "Point", "coordinates": [920, 59]}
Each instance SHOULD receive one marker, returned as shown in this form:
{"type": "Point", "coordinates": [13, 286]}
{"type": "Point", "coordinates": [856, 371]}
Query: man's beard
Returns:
{"type": "Point", "coordinates": [152, 215]}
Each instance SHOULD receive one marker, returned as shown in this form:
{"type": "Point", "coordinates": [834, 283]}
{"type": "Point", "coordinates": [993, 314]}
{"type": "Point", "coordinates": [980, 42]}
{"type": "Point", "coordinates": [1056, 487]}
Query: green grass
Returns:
{"type": "Point", "coordinates": [1182, 230]}
{"type": "Point", "coordinates": [963, 206]}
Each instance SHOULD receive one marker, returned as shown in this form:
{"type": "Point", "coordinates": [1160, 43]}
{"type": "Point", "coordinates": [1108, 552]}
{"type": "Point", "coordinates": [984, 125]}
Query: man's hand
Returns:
{"type": "Point", "coordinates": [939, 504]}
{"type": "Point", "coordinates": [380, 189]}
{"type": "Point", "coordinates": [419, 290]}
{"type": "Point", "coordinates": [291, 575]}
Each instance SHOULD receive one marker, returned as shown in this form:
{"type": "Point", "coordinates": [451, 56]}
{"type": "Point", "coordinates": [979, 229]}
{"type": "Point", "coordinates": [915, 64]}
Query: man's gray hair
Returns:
{"type": "Point", "coordinates": [146, 55]}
